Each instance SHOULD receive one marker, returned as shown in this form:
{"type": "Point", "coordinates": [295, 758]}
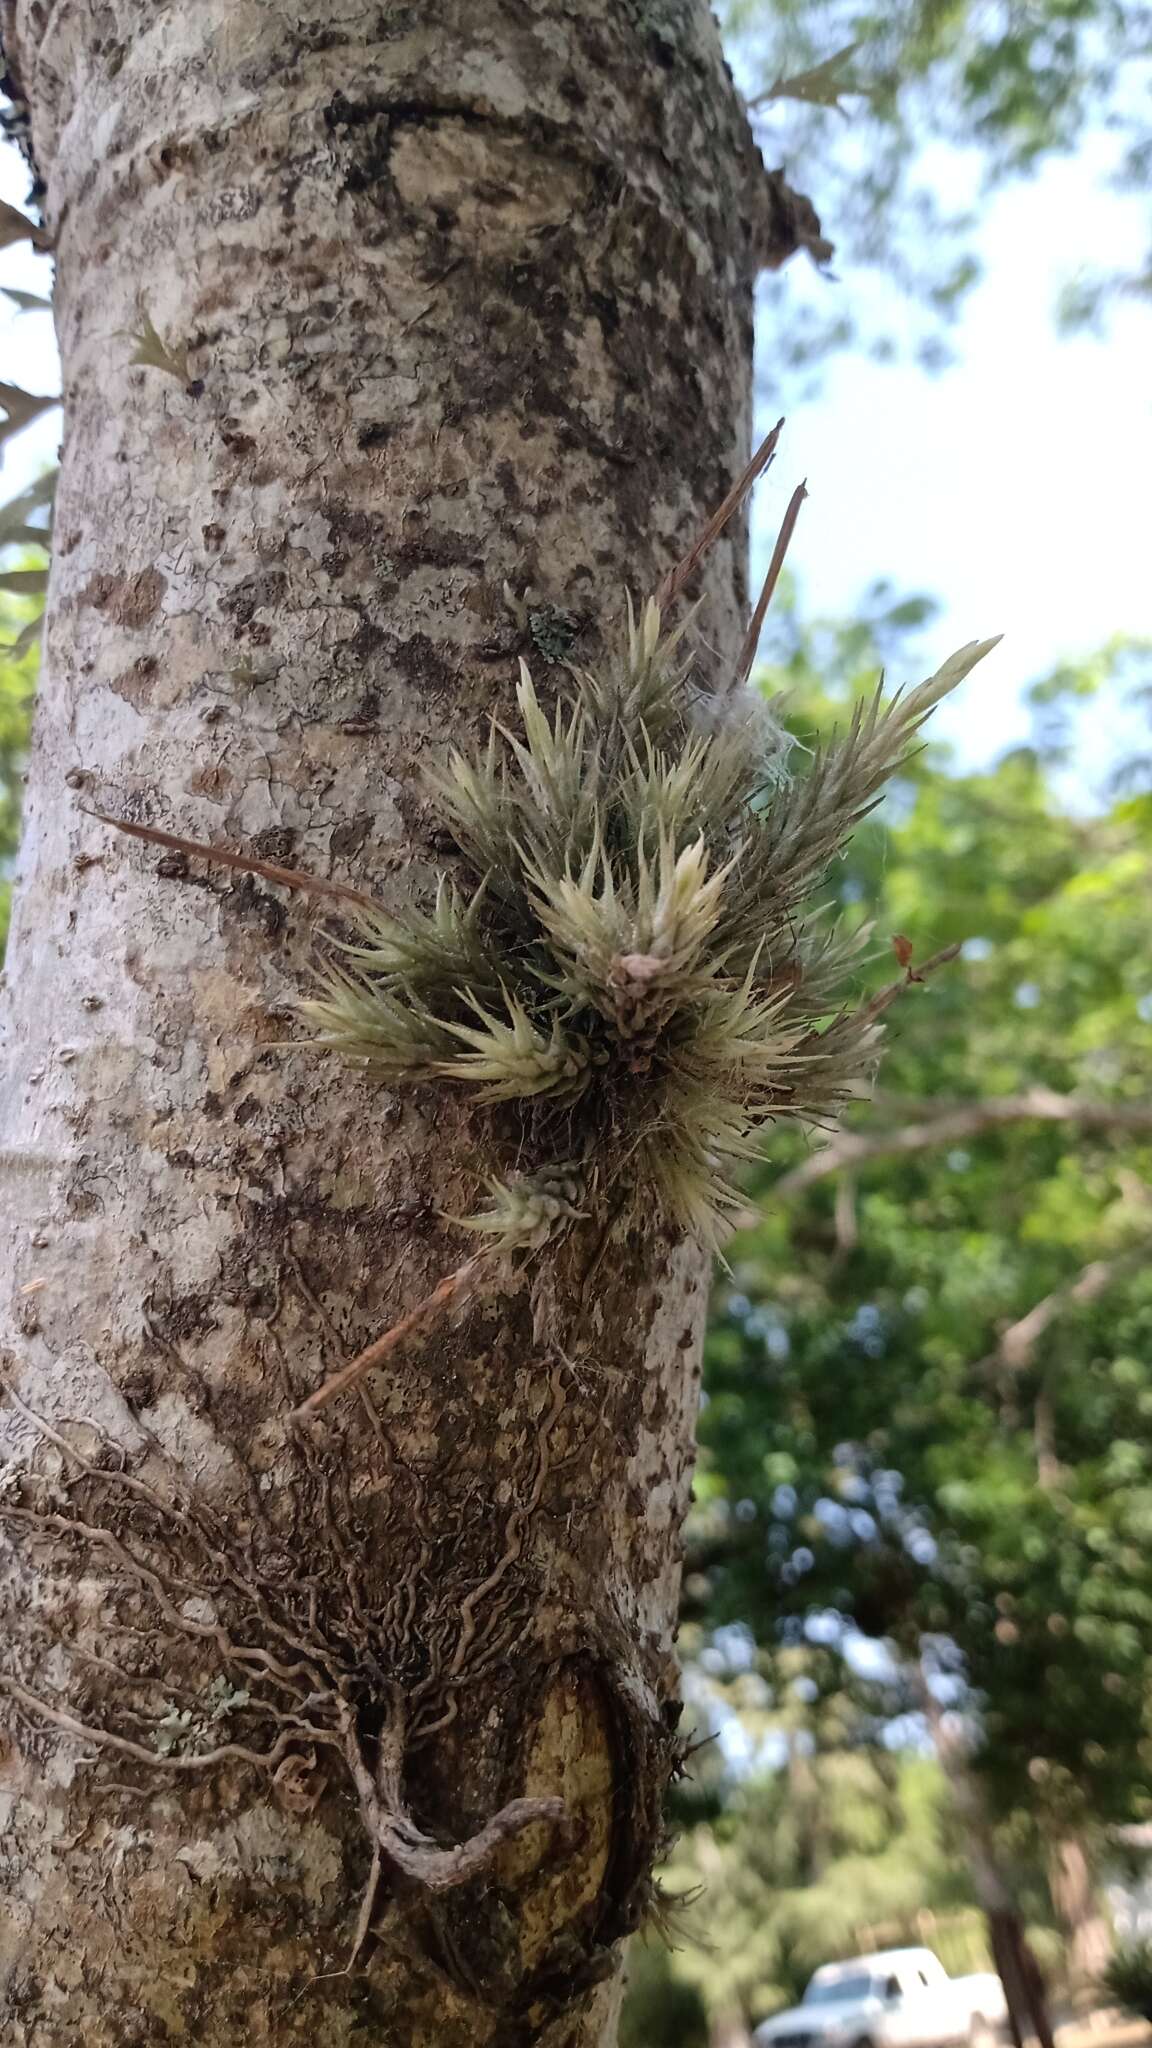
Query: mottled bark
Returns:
{"type": "Point", "coordinates": [462, 295]}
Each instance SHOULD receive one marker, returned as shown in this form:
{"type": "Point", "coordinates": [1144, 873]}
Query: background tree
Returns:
{"type": "Point", "coordinates": [925, 1396]}
{"type": "Point", "coordinates": [811, 1830]}
{"type": "Point", "coordinates": [938, 107]}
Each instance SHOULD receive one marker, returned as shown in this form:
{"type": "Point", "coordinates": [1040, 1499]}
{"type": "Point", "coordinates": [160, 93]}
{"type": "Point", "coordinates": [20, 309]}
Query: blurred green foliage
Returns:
{"type": "Point", "coordinates": [661, 2009]}
{"type": "Point", "coordinates": [17, 689]}
{"type": "Point", "coordinates": [1128, 1977]}
{"type": "Point", "coordinates": [1011, 84]}
{"type": "Point", "coordinates": [868, 1450]}
{"type": "Point", "coordinates": [871, 1465]}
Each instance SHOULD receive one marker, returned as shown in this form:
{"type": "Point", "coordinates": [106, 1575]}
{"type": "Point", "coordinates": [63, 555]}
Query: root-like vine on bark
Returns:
{"type": "Point", "coordinates": [295, 1686]}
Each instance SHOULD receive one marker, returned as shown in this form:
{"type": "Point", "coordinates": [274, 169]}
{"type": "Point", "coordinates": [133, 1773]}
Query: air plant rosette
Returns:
{"type": "Point", "coordinates": [627, 949]}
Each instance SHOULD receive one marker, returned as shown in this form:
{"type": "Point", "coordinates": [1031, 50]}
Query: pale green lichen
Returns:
{"type": "Point", "coordinates": [181, 1731]}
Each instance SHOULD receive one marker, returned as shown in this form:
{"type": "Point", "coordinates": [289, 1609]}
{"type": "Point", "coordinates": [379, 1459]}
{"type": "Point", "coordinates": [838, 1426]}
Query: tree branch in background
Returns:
{"type": "Point", "coordinates": [966, 1120]}
{"type": "Point", "coordinates": [1018, 1342]}
{"type": "Point", "coordinates": [885, 997]}
{"type": "Point", "coordinates": [1016, 1348]}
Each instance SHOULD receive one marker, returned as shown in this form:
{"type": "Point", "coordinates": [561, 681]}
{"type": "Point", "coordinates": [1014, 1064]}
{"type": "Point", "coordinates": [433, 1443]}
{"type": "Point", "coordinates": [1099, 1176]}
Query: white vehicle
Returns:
{"type": "Point", "coordinates": [901, 1998]}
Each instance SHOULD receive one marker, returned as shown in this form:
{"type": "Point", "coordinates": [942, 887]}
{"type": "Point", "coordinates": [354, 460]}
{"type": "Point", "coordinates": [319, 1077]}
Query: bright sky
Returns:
{"type": "Point", "coordinates": [1014, 485]}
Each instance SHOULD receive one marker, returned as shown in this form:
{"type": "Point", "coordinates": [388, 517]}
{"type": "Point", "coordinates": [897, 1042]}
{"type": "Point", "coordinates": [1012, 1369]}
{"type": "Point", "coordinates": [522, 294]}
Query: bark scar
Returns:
{"type": "Point", "coordinates": [406, 1848]}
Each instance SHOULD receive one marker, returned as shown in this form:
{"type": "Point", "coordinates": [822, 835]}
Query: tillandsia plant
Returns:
{"type": "Point", "coordinates": [627, 949]}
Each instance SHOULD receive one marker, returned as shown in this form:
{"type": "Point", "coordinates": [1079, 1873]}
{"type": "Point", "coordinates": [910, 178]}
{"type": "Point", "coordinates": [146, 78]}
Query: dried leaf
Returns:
{"type": "Point", "coordinates": [821, 86]}
{"type": "Point", "coordinates": [153, 353]}
{"type": "Point", "coordinates": [903, 948]}
{"type": "Point", "coordinates": [16, 227]}
{"type": "Point", "coordinates": [21, 407]}
{"type": "Point", "coordinates": [24, 582]}
{"type": "Point", "coordinates": [222, 856]}
{"type": "Point", "coordinates": [26, 638]}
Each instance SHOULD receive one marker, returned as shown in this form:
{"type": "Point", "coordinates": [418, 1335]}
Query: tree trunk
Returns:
{"type": "Point", "coordinates": [443, 299]}
{"type": "Point", "coordinates": [1077, 1904]}
{"type": "Point", "coordinates": [728, 2030]}
{"type": "Point", "coordinates": [1016, 1965]}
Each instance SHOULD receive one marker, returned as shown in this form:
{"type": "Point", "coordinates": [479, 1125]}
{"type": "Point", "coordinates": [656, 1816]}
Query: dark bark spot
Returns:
{"type": "Point", "coordinates": [419, 659]}
{"type": "Point", "coordinates": [347, 839]}
{"type": "Point", "coordinates": [438, 546]}
{"type": "Point", "coordinates": [366, 641]}
{"type": "Point", "coordinates": [250, 905]}
{"type": "Point", "coordinates": [276, 843]}
{"type": "Point", "coordinates": [187, 1315]}
{"type": "Point", "coordinates": [265, 589]}
{"type": "Point", "coordinates": [129, 600]}
{"type": "Point", "coordinates": [349, 521]}
{"type": "Point", "coordinates": [607, 311]}
{"type": "Point", "coordinates": [138, 1386]}
{"type": "Point", "coordinates": [136, 683]}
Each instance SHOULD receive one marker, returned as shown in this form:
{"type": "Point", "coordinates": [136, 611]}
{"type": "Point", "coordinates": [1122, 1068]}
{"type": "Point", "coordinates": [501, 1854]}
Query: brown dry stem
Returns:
{"type": "Point", "coordinates": [447, 1290]}
{"type": "Point", "coordinates": [243, 863]}
{"type": "Point", "coordinates": [712, 528]}
{"type": "Point", "coordinates": [751, 642]}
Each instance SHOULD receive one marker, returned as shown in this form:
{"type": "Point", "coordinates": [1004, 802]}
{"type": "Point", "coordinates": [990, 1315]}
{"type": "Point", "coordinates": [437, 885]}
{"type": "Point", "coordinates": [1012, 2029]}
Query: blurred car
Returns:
{"type": "Point", "coordinates": [900, 1998]}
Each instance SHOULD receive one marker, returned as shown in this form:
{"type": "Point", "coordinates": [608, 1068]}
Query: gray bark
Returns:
{"type": "Point", "coordinates": [464, 293]}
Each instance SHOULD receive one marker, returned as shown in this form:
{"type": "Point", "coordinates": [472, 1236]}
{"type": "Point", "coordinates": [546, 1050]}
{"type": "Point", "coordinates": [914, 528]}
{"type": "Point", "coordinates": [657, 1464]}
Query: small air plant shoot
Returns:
{"type": "Point", "coordinates": [627, 964]}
